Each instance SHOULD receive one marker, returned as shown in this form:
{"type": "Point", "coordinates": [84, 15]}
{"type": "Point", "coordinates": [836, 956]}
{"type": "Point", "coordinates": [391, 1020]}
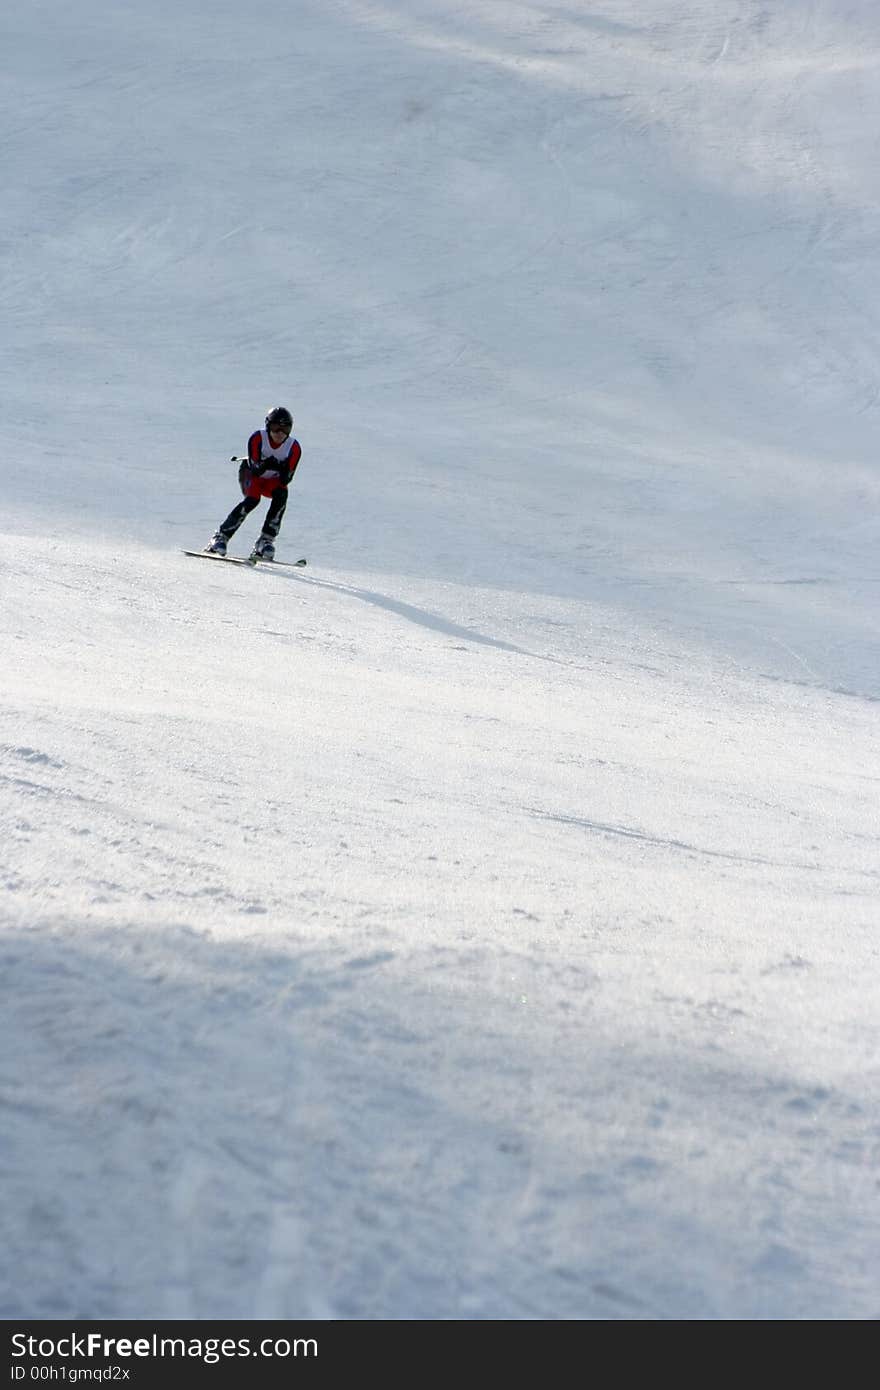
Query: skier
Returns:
{"type": "Point", "coordinates": [272, 457]}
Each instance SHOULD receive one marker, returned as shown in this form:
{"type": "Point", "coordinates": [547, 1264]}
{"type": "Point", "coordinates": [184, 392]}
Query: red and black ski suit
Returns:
{"type": "Point", "coordinates": [267, 473]}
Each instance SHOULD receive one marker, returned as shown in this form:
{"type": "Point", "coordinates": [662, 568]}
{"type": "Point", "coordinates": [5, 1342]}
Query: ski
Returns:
{"type": "Point", "coordinates": [252, 561]}
{"type": "Point", "coordinates": [224, 559]}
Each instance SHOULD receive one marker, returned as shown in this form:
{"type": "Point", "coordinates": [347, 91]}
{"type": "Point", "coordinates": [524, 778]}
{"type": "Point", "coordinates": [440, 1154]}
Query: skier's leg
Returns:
{"type": "Point", "coordinates": [275, 514]}
{"type": "Point", "coordinates": [265, 546]}
{"type": "Point", "coordinates": [228, 528]}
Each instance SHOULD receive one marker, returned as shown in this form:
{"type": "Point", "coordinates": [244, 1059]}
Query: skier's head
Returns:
{"type": "Point", "coordinates": [279, 420]}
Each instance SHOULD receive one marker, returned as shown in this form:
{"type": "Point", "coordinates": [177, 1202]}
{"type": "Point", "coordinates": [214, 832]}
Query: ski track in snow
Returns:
{"type": "Point", "coordinates": [480, 924]}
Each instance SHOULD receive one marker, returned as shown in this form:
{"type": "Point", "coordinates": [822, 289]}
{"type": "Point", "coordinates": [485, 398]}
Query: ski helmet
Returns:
{"type": "Point", "coordinates": [279, 415]}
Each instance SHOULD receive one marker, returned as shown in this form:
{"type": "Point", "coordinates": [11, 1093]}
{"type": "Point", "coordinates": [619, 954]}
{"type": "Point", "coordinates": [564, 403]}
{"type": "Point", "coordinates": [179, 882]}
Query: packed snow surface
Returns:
{"type": "Point", "coordinates": [481, 922]}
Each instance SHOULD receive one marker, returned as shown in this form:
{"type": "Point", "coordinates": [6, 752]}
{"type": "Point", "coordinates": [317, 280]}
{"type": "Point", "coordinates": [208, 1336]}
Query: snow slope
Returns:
{"type": "Point", "coordinates": [482, 922]}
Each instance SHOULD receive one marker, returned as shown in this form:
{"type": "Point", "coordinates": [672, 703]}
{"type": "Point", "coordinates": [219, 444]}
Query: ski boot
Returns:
{"type": "Point", "coordinates": [264, 549]}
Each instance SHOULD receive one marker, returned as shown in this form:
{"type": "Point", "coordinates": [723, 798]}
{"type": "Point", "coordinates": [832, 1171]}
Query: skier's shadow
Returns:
{"type": "Point", "coordinates": [413, 614]}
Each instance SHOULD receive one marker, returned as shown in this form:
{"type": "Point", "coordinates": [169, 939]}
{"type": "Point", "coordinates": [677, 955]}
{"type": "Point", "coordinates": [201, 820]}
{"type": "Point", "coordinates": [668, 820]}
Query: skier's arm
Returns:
{"type": "Point", "coordinates": [255, 451]}
{"type": "Point", "coordinates": [293, 460]}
